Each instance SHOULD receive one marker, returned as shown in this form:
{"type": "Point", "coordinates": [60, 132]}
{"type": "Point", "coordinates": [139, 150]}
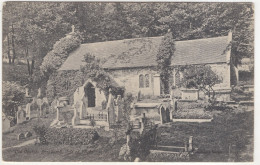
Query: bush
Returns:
{"type": "Point", "coordinates": [40, 131]}
{"type": "Point", "coordinates": [92, 122]}
{"type": "Point", "coordinates": [61, 49]}
{"type": "Point", "coordinates": [13, 96]}
{"type": "Point", "coordinates": [140, 146]}
{"type": "Point", "coordinates": [71, 136]}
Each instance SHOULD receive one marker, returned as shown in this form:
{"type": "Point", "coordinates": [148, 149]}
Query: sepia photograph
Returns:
{"type": "Point", "coordinates": [128, 81]}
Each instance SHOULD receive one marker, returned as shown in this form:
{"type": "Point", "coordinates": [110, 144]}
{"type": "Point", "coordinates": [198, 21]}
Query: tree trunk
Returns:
{"type": "Point", "coordinates": [28, 66]}
{"type": "Point", "coordinates": [8, 52]}
{"type": "Point", "coordinates": [14, 55]}
{"type": "Point", "coordinates": [32, 66]}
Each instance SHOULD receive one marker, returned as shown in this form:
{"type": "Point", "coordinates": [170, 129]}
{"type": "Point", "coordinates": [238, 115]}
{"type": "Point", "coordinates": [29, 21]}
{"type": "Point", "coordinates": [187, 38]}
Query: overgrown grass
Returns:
{"type": "Point", "coordinates": [213, 140]}
{"type": "Point", "coordinates": [227, 130]}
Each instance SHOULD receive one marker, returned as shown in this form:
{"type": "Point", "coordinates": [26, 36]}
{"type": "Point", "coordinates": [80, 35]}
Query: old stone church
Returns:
{"type": "Point", "coordinates": [132, 62]}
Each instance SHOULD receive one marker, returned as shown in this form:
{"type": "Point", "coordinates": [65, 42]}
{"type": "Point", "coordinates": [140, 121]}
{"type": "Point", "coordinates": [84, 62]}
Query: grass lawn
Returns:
{"type": "Point", "coordinates": [212, 140]}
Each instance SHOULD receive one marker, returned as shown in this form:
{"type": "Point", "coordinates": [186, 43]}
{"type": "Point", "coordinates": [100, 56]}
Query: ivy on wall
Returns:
{"type": "Point", "coordinates": [166, 51]}
{"type": "Point", "coordinates": [65, 83]}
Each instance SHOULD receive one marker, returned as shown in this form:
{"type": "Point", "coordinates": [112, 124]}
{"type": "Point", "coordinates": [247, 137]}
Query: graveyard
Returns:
{"type": "Point", "coordinates": [143, 82]}
{"type": "Point", "coordinates": [190, 133]}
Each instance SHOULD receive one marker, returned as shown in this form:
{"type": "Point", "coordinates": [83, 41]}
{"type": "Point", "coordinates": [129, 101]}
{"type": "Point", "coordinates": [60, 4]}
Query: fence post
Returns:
{"type": "Point", "coordinates": [190, 143]}
{"type": "Point", "coordinates": [185, 147]}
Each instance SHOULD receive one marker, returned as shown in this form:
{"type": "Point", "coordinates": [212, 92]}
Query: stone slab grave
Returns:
{"type": "Point", "coordinates": [27, 134]}
{"type": "Point", "coordinates": [21, 115]}
{"type": "Point", "coordinates": [20, 136]}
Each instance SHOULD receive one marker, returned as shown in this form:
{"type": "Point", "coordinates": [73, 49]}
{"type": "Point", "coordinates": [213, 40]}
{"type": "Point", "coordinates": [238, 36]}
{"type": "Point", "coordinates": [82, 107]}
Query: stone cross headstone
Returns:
{"type": "Point", "coordinates": [21, 115]}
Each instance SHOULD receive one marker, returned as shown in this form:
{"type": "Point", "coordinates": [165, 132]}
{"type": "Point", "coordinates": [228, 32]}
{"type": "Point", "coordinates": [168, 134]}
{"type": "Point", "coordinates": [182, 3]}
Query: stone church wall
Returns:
{"type": "Point", "coordinates": [129, 78]}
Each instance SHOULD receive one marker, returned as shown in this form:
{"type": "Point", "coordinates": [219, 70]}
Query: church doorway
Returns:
{"type": "Point", "coordinates": [90, 94]}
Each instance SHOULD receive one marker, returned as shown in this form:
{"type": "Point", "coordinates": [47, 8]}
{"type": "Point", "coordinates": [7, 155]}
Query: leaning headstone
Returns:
{"type": "Point", "coordinates": [28, 134]}
{"type": "Point", "coordinates": [20, 136]}
{"type": "Point", "coordinates": [21, 115]}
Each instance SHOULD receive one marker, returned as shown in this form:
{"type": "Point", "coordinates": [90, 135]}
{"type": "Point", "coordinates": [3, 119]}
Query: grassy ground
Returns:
{"type": "Point", "coordinates": [227, 132]}
{"type": "Point", "coordinates": [212, 140]}
{"type": "Point", "coordinates": [10, 139]}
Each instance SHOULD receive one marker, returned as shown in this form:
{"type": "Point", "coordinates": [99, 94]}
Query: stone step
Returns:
{"type": "Point", "coordinates": [169, 148]}
{"type": "Point", "coordinates": [160, 151]}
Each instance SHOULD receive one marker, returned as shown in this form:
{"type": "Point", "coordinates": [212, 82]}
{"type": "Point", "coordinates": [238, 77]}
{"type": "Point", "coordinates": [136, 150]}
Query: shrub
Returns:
{"type": "Point", "coordinates": [92, 122]}
{"type": "Point", "coordinates": [221, 106]}
{"type": "Point", "coordinates": [140, 146]}
{"type": "Point", "coordinates": [71, 136]}
{"type": "Point", "coordinates": [61, 49]}
{"type": "Point", "coordinates": [40, 131]}
{"type": "Point", "coordinates": [13, 96]}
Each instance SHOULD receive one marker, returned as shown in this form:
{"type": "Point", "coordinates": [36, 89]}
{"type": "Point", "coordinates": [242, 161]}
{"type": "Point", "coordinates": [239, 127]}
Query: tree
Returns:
{"type": "Point", "coordinates": [13, 96]}
{"type": "Point", "coordinates": [200, 77]}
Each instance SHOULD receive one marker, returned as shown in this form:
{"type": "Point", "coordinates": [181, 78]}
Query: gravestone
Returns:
{"type": "Point", "coordinates": [28, 111]}
{"type": "Point", "coordinates": [75, 119]}
{"type": "Point", "coordinates": [111, 108]}
{"type": "Point", "coordinates": [119, 108]}
{"type": "Point", "coordinates": [20, 136]}
{"type": "Point", "coordinates": [21, 115]}
{"type": "Point", "coordinates": [28, 134]}
{"type": "Point", "coordinates": [54, 105]}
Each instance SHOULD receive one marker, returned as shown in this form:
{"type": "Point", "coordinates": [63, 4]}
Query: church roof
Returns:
{"type": "Point", "coordinates": [141, 52]}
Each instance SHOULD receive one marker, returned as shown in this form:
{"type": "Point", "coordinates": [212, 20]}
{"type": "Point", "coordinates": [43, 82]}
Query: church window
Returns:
{"type": "Point", "coordinates": [147, 81]}
{"type": "Point", "coordinates": [141, 81]}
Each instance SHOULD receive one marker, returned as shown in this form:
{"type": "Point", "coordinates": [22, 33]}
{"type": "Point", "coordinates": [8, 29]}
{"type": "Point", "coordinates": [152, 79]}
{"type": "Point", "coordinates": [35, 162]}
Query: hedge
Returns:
{"type": "Point", "coordinates": [70, 136]}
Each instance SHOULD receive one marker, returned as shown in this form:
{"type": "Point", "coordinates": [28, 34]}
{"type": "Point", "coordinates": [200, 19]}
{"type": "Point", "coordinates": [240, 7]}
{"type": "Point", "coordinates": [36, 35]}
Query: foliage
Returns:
{"type": "Point", "coordinates": [92, 122]}
{"type": "Point", "coordinates": [66, 82]}
{"type": "Point", "coordinates": [41, 131]}
{"type": "Point", "coordinates": [200, 77]}
{"type": "Point", "coordinates": [166, 51]}
{"type": "Point", "coordinates": [127, 101]}
{"type": "Point", "coordinates": [140, 146]}
{"type": "Point", "coordinates": [13, 96]}
{"type": "Point", "coordinates": [16, 73]}
{"type": "Point", "coordinates": [192, 114]}
{"type": "Point", "coordinates": [71, 136]}
{"type": "Point", "coordinates": [61, 49]}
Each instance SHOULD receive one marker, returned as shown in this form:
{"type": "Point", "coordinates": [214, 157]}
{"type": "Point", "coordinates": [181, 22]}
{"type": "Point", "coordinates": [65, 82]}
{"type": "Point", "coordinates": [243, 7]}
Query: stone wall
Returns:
{"type": "Point", "coordinates": [129, 78]}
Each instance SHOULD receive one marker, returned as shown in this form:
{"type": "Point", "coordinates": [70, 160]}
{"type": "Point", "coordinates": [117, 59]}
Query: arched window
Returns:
{"type": "Point", "coordinates": [141, 81]}
{"type": "Point", "coordinates": [147, 81]}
